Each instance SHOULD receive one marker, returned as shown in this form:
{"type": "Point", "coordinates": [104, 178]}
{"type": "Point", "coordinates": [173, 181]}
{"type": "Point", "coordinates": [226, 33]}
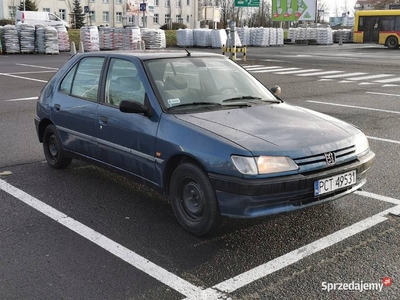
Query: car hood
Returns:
{"type": "Point", "coordinates": [279, 129]}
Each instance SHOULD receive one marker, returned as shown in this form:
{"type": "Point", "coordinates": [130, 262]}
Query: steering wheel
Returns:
{"type": "Point", "coordinates": [227, 88]}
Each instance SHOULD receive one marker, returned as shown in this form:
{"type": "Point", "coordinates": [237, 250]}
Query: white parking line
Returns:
{"type": "Point", "coordinates": [383, 140]}
{"type": "Point", "coordinates": [22, 99]}
{"type": "Point", "coordinates": [262, 68]}
{"type": "Point", "coordinates": [182, 286]}
{"type": "Point", "coordinates": [370, 77]}
{"type": "Point", "coordinates": [274, 70]}
{"type": "Point", "coordinates": [320, 73]}
{"type": "Point", "coordinates": [384, 94]}
{"type": "Point", "coordinates": [353, 106]}
{"type": "Point", "coordinates": [30, 72]}
{"type": "Point", "coordinates": [20, 77]}
{"type": "Point", "coordinates": [298, 71]}
{"type": "Point", "coordinates": [36, 66]}
{"type": "Point", "coordinates": [290, 258]}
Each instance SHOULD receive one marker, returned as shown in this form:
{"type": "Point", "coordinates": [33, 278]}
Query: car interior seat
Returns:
{"type": "Point", "coordinates": [176, 91]}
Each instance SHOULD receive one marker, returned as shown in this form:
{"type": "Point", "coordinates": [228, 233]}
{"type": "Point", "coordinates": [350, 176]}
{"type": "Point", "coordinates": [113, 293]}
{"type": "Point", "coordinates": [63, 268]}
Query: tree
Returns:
{"type": "Point", "coordinates": [78, 17]}
{"type": "Point", "coordinates": [30, 5]}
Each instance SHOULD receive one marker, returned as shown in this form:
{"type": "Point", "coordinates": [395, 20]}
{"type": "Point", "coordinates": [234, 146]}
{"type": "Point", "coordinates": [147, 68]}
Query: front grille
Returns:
{"type": "Point", "coordinates": [318, 161]}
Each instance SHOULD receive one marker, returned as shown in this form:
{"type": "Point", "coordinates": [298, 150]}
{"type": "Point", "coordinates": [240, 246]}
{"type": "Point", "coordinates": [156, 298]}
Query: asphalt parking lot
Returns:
{"type": "Point", "coordinates": [86, 233]}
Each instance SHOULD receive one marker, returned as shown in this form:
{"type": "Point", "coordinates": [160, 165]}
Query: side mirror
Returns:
{"type": "Point", "coordinates": [276, 90]}
{"type": "Point", "coordinates": [135, 107]}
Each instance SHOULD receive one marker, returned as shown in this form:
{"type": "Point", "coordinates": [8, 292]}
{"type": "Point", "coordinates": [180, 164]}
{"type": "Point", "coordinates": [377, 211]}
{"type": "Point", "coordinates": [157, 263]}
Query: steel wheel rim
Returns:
{"type": "Point", "coordinates": [53, 148]}
{"type": "Point", "coordinates": [192, 200]}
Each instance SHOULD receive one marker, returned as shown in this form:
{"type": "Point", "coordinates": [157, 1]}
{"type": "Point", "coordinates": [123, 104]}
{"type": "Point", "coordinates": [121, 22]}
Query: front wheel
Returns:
{"type": "Point", "coordinates": [53, 150]}
{"type": "Point", "coordinates": [392, 42]}
{"type": "Point", "coordinates": [193, 199]}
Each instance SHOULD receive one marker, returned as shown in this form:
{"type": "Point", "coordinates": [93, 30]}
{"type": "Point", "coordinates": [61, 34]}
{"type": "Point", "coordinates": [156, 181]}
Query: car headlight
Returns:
{"type": "Point", "coordinates": [263, 164]}
{"type": "Point", "coordinates": [362, 144]}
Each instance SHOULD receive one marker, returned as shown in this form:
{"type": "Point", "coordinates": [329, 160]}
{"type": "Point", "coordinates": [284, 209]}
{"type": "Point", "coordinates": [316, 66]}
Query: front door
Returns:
{"type": "Point", "coordinates": [125, 140]}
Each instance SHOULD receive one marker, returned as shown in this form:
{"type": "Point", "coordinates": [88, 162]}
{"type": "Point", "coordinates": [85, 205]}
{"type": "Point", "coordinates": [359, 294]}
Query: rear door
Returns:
{"type": "Point", "coordinates": [75, 107]}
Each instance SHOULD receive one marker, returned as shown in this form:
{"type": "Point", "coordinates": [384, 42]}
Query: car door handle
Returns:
{"type": "Point", "coordinates": [57, 106]}
{"type": "Point", "coordinates": [103, 119]}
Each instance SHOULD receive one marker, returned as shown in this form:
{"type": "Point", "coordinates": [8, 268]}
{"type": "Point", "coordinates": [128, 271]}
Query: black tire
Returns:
{"type": "Point", "coordinates": [392, 42]}
{"type": "Point", "coordinates": [53, 150]}
{"type": "Point", "coordinates": [193, 200]}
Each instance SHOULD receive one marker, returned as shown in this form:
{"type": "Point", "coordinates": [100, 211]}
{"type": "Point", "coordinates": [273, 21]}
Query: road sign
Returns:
{"type": "Point", "coordinates": [247, 3]}
{"type": "Point", "coordinates": [86, 9]}
{"type": "Point", "coordinates": [142, 6]}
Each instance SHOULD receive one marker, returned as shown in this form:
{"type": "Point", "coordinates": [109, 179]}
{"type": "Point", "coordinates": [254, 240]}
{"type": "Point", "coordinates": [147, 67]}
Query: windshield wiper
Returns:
{"type": "Point", "coordinates": [248, 97]}
{"type": "Point", "coordinates": [195, 104]}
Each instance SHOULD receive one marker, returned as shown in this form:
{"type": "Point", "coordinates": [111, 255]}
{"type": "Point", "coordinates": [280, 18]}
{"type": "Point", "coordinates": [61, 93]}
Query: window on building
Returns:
{"type": "Point", "coordinates": [106, 16]}
{"type": "Point", "coordinates": [187, 2]}
{"type": "Point", "coordinates": [187, 19]}
{"type": "Point", "coordinates": [92, 1]}
{"type": "Point", "coordinates": [156, 2]}
{"type": "Point", "coordinates": [178, 3]}
{"type": "Point", "coordinates": [11, 11]}
{"type": "Point", "coordinates": [178, 19]}
{"type": "Point", "coordinates": [118, 1]}
{"type": "Point", "coordinates": [118, 17]}
{"type": "Point", "coordinates": [46, 9]}
{"type": "Point", "coordinates": [62, 14]}
{"type": "Point", "coordinates": [167, 3]}
{"type": "Point", "coordinates": [155, 18]}
{"type": "Point", "coordinates": [105, 1]}
{"type": "Point", "coordinates": [92, 16]}
{"type": "Point", "coordinates": [167, 19]}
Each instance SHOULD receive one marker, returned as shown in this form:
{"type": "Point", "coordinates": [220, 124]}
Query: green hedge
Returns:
{"type": "Point", "coordinates": [6, 22]}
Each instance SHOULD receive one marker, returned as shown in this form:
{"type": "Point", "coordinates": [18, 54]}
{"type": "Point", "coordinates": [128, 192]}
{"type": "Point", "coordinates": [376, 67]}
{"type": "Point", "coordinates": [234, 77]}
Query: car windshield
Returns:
{"type": "Point", "coordinates": [198, 82]}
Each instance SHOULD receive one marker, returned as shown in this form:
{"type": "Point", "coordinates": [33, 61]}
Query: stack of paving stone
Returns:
{"type": "Point", "coordinates": [244, 35]}
{"type": "Point", "coordinates": [324, 36]}
{"type": "Point", "coordinates": [272, 36]}
{"type": "Point", "coordinates": [184, 38]}
{"type": "Point", "coordinates": [63, 38]}
{"type": "Point", "coordinates": [1, 39]}
{"type": "Point", "coordinates": [106, 38]}
{"type": "Point", "coordinates": [218, 38]}
{"type": "Point", "coordinates": [11, 40]}
{"type": "Point", "coordinates": [47, 40]}
{"type": "Point", "coordinates": [202, 37]}
{"type": "Point", "coordinates": [260, 37]}
{"type": "Point", "coordinates": [118, 38]}
{"type": "Point", "coordinates": [90, 38]}
{"type": "Point", "coordinates": [131, 38]}
{"type": "Point", "coordinates": [26, 34]}
{"type": "Point", "coordinates": [153, 38]}
{"type": "Point", "coordinates": [280, 37]}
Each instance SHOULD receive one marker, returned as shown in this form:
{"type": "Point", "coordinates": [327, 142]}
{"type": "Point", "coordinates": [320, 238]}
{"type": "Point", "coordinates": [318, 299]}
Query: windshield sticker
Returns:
{"type": "Point", "coordinates": [173, 101]}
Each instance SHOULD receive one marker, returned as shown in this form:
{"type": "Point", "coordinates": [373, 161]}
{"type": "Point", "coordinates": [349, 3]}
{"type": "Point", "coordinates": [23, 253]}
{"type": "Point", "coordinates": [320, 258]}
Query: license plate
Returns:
{"type": "Point", "coordinates": [333, 183]}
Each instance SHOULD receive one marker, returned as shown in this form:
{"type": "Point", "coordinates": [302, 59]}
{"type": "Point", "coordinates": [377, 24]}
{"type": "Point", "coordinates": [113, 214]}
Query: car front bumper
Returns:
{"type": "Point", "coordinates": [249, 198]}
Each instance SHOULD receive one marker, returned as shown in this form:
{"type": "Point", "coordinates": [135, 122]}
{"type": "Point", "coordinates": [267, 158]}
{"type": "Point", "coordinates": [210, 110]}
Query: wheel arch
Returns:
{"type": "Point", "coordinates": [173, 163]}
{"type": "Point", "coordinates": [42, 126]}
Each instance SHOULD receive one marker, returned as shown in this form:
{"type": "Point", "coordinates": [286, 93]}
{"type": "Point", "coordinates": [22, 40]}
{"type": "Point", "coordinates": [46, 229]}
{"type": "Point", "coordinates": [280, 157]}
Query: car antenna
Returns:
{"type": "Point", "coordinates": [188, 53]}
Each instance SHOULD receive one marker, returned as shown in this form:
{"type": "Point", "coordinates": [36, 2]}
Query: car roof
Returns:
{"type": "Point", "coordinates": [153, 54]}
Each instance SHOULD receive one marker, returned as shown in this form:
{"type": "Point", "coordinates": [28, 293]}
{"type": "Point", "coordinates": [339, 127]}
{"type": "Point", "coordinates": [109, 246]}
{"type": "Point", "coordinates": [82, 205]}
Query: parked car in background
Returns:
{"type": "Point", "coordinates": [201, 129]}
{"type": "Point", "coordinates": [39, 17]}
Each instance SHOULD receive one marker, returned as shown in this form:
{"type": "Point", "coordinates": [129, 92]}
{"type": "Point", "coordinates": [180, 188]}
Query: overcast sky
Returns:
{"type": "Point", "coordinates": [341, 4]}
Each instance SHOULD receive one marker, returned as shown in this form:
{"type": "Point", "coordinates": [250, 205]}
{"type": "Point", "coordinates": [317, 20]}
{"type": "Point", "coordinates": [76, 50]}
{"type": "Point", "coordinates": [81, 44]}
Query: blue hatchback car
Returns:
{"type": "Point", "coordinates": [200, 129]}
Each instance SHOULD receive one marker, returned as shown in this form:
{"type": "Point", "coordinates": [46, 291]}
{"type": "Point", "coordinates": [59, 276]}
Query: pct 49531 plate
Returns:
{"type": "Point", "coordinates": [333, 183]}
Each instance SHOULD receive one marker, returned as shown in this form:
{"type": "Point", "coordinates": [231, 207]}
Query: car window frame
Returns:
{"type": "Point", "coordinates": [102, 100]}
{"type": "Point", "coordinates": [76, 65]}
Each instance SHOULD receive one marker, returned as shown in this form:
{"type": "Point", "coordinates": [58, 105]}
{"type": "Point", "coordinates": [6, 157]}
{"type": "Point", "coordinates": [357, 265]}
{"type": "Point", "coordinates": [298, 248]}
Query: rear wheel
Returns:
{"type": "Point", "coordinates": [392, 42]}
{"type": "Point", "coordinates": [193, 200]}
{"type": "Point", "coordinates": [53, 150]}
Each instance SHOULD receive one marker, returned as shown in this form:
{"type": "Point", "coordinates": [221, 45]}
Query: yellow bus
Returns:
{"type": "Point", "coordinates": [378, 26]}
